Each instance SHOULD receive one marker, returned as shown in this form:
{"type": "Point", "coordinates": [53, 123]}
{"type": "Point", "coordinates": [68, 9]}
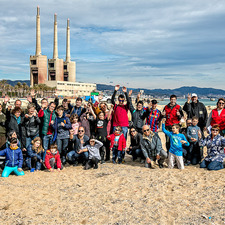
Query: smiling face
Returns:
{"type": "Point", "coordinates": [220, 104]}
{"type": "Point", "coordinates": [101, 116]}
{"type": "Point", "coordinates": [17, 114]}
{"type": "Point", "coordinates": [146, 130]}
{"type": "Point", "coordinates": [52, 107]}
{"type": "Point", "coordinates": [173, 101]}
{"type": "Point", "coordinates": [92, 142]}
{"type": "Point", "coordinates": [37, 144]}
{"type": "Point", "coordinates": [194, 99]}
{"type": "Point", "coordinates": [78, 103]}
{"type": "Point", "coordinates": [194, 122]}
{"type": "Point", "coordinates": [103, 107]}
{"type": "Point", "coordinates": [31, 110]}
{"type": "Point", "coordinates": [133, 132]}
{"type": "Point", "coordinates": [139, 106]}
{"type": "Point", "coordinates": [175, 129]}
{"type": "Point", "coordinates": [80, 132]}
{"type": "Point", "coordinates": [121, 101]}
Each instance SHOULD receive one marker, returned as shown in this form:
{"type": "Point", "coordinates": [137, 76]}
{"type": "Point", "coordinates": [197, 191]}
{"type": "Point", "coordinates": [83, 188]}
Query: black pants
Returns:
{"type": "Point", "coordinates": [91, 163]}
{"type": "Point", "coordinates": [194, 154]}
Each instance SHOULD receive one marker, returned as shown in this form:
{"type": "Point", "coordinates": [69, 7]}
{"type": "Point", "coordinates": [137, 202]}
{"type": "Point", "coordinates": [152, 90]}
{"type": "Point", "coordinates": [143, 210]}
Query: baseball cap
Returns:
{"type": "Point", "coordinates": [194, 95]}
{"type": "Point", "coordinates": [154, 101]}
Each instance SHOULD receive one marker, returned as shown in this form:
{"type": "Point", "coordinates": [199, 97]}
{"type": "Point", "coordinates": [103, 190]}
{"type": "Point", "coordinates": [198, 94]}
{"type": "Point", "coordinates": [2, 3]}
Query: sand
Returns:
{"type": "Point", "coordinates": [114, 194]}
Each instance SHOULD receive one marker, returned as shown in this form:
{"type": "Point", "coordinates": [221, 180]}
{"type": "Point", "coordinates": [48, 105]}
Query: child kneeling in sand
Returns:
{"type": "Point", "coordinates": [93, 153]}
{"type": "Point", "coordinates": [13, 159]}
{"type": "Point", "coordinates": [118, 144]}
{"type": "Point", "coordinates": [176, 141]}
{"type": "Point", "coordinates": [52, 159]}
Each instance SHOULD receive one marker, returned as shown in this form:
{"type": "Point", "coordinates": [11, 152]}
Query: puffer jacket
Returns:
{"type": "Point", "coordinates": [12, 157]}
{"type": "Point", "coordinates": [32, 125]}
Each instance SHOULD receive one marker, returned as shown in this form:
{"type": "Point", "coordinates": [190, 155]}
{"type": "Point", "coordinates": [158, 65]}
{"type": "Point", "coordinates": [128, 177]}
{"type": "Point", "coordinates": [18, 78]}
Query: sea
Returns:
{"type": "Point", "coordinates": [181, 102]}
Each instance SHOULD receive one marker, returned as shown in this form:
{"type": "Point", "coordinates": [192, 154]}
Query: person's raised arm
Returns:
{"type": "Point", "coordinates": [131, 107]}
{"type": "Point", "coordinates": [117, 87]}
{"type": "Point", "coordinates": [110, 112]}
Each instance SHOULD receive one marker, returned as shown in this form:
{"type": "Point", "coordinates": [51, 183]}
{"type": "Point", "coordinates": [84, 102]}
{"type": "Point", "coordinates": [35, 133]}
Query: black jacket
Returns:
{"type": "Point", "coordinates": [31, 125]}
{"type": "Point", "coordinates": [197, 109]}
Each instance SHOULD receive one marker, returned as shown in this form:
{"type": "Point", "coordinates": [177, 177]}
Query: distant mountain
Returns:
{"type": "Point", "coordinates": [210, 92]}
{"type": "Point", "coordinates": [14, 82]}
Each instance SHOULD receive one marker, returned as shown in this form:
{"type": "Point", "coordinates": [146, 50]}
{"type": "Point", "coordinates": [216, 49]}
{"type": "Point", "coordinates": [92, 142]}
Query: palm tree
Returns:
{"type": "Point", "coordinates": [16, 88]}
{"type": "Point", "coordinates": [2, 85]}
{"type": "Point", "coordinates": [19, 88]}
{"type": "Point", "coordinates": [25, 88]}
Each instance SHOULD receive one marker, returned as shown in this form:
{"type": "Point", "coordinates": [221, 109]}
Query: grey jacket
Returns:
{"type": "Point", "coordinates": [151, 146]}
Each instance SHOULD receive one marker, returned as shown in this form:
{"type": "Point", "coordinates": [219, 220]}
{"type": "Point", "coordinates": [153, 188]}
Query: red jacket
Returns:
{"type": "Point", "coordinates": [120, 117]}
{"type": "Point", "coordinates": [49, 156]}
{"type": "Point", "coordinates": [121, 142]}
{"type": "Point", "coordinates": [171, 115]}
{"type": "Point", "coordinates": [218, 119]}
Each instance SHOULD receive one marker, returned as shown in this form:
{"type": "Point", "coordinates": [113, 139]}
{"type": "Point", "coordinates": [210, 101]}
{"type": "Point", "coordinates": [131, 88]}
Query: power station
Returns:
{"type": "Point", "coordinates": [56, 72]}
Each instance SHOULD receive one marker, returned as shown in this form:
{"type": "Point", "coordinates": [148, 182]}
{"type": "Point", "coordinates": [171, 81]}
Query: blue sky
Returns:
{"type": "Point", "coordinates": [146, 43]}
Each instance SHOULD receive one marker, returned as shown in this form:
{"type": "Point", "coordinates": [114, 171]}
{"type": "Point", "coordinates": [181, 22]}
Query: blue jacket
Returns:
{"type": "Point", "coordinates": [31, 153]}
{"type": "Point", "coordinates": [12, 157]}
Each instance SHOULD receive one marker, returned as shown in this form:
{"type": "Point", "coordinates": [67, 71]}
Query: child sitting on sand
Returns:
{"type": "Point", "coordinates": [93, 153]}
{"type": "Point", "coordinates": [118, 144]}
{"type": "Point", "coordinates": [14, 159]}
{"type": "Point", "coordinates": [176, 141]}
{"type": "Point", "coordinates": [52, 159]}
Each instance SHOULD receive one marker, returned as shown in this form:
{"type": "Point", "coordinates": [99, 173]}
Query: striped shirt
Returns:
{"type": "Point", "coordinates": [153, 119]}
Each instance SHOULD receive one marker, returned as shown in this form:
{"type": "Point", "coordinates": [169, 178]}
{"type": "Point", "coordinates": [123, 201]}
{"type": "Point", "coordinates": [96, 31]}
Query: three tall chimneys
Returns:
{"type": "Point", "coordinates": [43, 70]}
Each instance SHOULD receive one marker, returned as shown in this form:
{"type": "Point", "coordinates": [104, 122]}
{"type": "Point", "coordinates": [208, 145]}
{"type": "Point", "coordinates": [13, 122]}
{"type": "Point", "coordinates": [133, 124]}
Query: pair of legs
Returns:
{"type": "Point", "coordinates": [211, 165]}
{"type": "Point", "coordinates": [62, 145]}
{"type": "Point", "coordinates": [117, 153]}
{"type": "Point", "coordinates": [33, 162]}
{"type": "Point", "coordinates": [52, 163]}
{"type": "Point", "coordinates": [92, 163]}
{"type": "Point", "coordinates": [8, 170]}
{"type": "Point", "coordinates": [163, 156]}
{"type": "Point", "coordinates": [194, 155]}
{"type": "Point", "coordinates": [179, 161]}
{"type": "Point", "coordinates": [136, 153]}
{"type": "Point", "coordinates": [74, 157]}
{"type": "Point", "coordinates": [47, 140]}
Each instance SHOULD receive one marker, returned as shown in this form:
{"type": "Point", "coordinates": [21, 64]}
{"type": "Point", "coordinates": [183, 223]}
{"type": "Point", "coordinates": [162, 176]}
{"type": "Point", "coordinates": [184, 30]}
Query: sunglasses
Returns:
{"type": "Point", "coordinates": [92, 141]}
{"type": "Point", "coordinates": [145, 130]}
{"type": "Point", "coordinates": [215, 130]}
{"type": "Point", "coordinates": [80, 130]}
{"type": "Point", "coordinates": [121, 100]}
{"type": "Point", "coordinates": [132, 131]}
{"type": "Point", "coordinates": [117, 130]}
{"type": "Point", "coordinates": [221, 103]}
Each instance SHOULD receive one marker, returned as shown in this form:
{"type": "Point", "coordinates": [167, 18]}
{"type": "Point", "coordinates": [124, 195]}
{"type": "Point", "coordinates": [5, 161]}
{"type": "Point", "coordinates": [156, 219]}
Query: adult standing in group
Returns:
{"type": "Point", "coordinates": [173, 114]}
{"type": "Point", "coordinates": [153, 116]}
{"type": "Point", "coordinates": [120, 117]}
{"type": "Point", "coordinates": [151, 147]}
{"type": "Point", "coordinates": [77, 109]}
{"type": "Point", "coordinates": [195, 108]}
{"type": "Point", "coordinates": [215, 144]}
{"type": "Point", "coordinates": [137, 114]}
{"type": "Point", "coordinates": [217, 116]}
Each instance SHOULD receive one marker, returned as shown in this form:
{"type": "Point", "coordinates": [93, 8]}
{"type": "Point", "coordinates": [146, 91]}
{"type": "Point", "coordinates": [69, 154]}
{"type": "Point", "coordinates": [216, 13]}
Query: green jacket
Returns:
{"type": "Point", "coordinates": [46, 120]}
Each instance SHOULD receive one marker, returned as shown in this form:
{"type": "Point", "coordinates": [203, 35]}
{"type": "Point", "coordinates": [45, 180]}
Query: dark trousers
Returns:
{"type": "Point", "coordinates": [117, 153]}
{"type": "Point", "coordinates": [194, 155]}
{"type": "Point", "coordinates": [91, 163]}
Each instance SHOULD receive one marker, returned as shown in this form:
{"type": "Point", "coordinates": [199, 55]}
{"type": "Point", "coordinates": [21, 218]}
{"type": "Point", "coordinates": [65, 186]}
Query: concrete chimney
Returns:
{"type": "Point", "coordinates": [68, 41]}
{"type": "Point", "coordinates": [38, 33]}
{"type": "Point", "coordinates": [55, 47]}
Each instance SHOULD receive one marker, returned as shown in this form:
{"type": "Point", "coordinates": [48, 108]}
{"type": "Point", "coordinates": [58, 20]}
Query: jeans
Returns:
{"type": "Point", "coordinates": [62, 145]}
{"type": "Point", "coordinates": [74, 156]}
{"type": "Point", "coordinates": [137, 153]}
{"type": "Point", "coordinates": [47, 140]}
{"type": "Point", "coordinates": [33, 162]}
{"type": "Point", "coordinates": [194, 153]}
{"type": "Point", "coordinates": [29, 139]}
{"type": "Point", "coordinates": [7, 170]}
{"type": "Point", "coordinates": [211, 165]}
{"type": "Point", "coordinates": [117, 153]}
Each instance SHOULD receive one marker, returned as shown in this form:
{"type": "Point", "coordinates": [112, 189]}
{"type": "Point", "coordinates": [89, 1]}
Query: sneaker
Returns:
{"type": "Point", "coordinates": [96, 166]}
{"type": "Point", "coordinates": [161, 166]}
{"type": "Point", "coordinates": [103, 161]}
{"type": "Point", "coordinates": [114, 162]}
{"type": "Point", "coordinates": [187, 163]}
{"type": "Point", "coordinates": [75, 163]}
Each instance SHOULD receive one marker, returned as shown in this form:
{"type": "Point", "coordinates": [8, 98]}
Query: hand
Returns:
{"type": "Point", "coordinates": [100, 97]}
{"type": "Point", "coordinates": [82, 141]}
{"type": "Point", "coordinates": [67, 115]}
{"type": "Point", "coordinates": [117, 87]}
{"type": "Point", "coordinates": [163, 120]}
{"type": "Point", "coordinates": [29, 99]}
{"type": "Point", "coordinates": [183, 142]}
{"type": "Point", "coordinates": [150, 105]}
{"type": "Point", "coordinates": [51, 170]}
{"type": "Point", "coordinates": [178, 113]}
{"type": "Point", "coordinates": [148, 160]}
{"type": "Point", "coordinates": [130, 93]}
{"type": "Point", "coordinates": [56, 94]}
{"type": "Point", "coordinates": [124, 89]}
{"type": "Point", "coordinates": [20, 169]}
{"type": "Point", "coordinates": [6, 99]}
{"type": "Point", "coordinates": [72, 132]}
{"type": "Point", "coordinates": [41, 160]}
{"type": "Point", "coordinates": [58, 169]}
{"type": "Point", "coordinates": [163, 113]}
{"type": "Point", "coordinates": [32, 93]}
{"type": "Point", "coordinates": [199, 134]}
{"type": "Point", "coordinates": [80, 151]}
{"type": "Point", "coordinates": [157, 157]}
{"type": "Point", "coordinates": [138, 95]}
{"type": "Point", "coordinates": [24, 150]}
{"type": "Point", "coordinates": [35, 113]}
{"type": "Point", "coordinates": [9, 107]}
{"type": "Point", "coordinates": [62, 124]}
{"type": "Point", "coordinates": [112, 106]}
{"type": "Point", "coordinates": [188, 98]}
{"type": "Point", "coordinates": [26, 115]}
{"type": "Point", "coordinates": [52, 122]}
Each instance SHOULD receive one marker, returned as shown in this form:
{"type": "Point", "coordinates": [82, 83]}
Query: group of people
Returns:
{"type": "Point", "coordinates": [50, 135]}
